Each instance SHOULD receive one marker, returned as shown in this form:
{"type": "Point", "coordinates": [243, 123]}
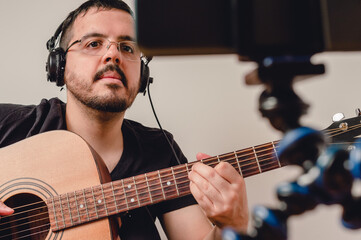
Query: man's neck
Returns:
{"type": "Point", "coordinates": [101, 130]}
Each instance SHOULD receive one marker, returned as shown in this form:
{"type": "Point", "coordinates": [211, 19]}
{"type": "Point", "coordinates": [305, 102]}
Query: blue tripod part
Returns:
{"type": "Point", "coordinates": [301, 144]}
{"type": "Point", "coordinates": [355, 161]}
{"type": "Point", "coordinates": [230, 234]}
{"type": "Point", "coordinates": [270, 224]}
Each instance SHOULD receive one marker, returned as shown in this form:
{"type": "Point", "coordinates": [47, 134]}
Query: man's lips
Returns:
{"type": "Point", "coordinates": [111, 75]}
{"type": "Point", "coordinates": [112, 78]}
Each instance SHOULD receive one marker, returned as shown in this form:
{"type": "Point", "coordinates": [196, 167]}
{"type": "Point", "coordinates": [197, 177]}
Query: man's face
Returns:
{"type": "Point", "coordinates": [109, 82]}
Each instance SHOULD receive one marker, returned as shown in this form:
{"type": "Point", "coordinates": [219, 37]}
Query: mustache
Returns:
{"type": "Point", "coordinates": [112, 68]}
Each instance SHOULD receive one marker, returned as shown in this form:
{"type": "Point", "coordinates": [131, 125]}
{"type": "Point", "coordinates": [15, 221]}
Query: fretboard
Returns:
{"type": "Point", "coordinates": [78, 207]}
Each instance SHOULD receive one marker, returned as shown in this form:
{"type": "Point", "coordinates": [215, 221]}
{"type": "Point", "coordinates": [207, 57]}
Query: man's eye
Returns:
{"type": "Point", "coordinates": [127, 48]}
{"type": "Point", "coordinates": [94, 44]}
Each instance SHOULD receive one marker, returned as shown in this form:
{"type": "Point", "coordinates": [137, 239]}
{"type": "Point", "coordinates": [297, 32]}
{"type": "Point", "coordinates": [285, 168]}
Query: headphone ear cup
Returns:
{"type": "Point", "coordinates": [144, 77]}
{"type": "Point", "coordinates": [55, 66]}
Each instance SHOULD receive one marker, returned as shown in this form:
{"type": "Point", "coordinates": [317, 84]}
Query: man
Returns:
{"type": "Point", "coordinates": [102, 75]}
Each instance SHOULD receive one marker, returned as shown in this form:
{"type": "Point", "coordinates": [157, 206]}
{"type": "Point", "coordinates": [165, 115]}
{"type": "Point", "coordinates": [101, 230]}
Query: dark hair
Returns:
{"type": "Point", "coordinates": [83, 9]}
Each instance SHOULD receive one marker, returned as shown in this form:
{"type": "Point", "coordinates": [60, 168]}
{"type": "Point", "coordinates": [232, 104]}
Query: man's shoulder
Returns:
{"type": "Point", "coordinates": [18, 111]}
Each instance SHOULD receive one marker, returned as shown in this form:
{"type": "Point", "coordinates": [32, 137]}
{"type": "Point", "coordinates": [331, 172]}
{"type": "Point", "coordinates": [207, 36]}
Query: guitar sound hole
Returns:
{"type": "Point", "coordinates": [29, 221]}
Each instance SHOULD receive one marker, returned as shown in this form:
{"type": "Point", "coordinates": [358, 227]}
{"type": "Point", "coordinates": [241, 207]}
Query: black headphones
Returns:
{"type": "Point", "coordinates": [55, 65]}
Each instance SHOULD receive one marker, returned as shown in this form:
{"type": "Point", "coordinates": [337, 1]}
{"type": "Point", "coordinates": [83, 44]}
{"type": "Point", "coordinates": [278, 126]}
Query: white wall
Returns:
{"type": "Point", "coordinates": [202, 100]}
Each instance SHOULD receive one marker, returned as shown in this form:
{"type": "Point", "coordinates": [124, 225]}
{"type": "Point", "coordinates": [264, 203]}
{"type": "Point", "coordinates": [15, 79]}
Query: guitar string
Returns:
{"type": "Point", "coordinates": [175, 195]}
{"type": "Point", "coordinates": [215, 158]}
{"type": "Point", "coordinates": [26, 236]}
{"type": "Point", "coordinates": [210, 159]}
{"type": "Point", "coordinates": [163, 176]}
{"type": "Point", "coordinates": [130, 196]}
{"type": "Point", "coordinates": [29, 235]}
{"type": "Point", "coordinates": [251, 173]}
{"type": "Point", "coordinates": [225, 160]}
{"type": "Point", "coordinates": [135, 206]}
{"type": "Point", "coordinates": [79, 216]}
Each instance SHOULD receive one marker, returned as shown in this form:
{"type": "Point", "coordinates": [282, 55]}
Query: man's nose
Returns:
{"type": "Point", "coordinates": [113, 54]}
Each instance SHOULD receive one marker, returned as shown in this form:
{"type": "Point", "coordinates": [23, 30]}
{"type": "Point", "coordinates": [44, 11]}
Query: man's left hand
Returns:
{"type": "Point", "coordinates": [221, 193]}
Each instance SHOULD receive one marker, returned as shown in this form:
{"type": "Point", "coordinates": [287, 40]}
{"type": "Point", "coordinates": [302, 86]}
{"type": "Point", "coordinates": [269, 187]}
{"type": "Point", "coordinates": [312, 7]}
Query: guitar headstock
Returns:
{"type": "Point", "coordinates": [344, 130]}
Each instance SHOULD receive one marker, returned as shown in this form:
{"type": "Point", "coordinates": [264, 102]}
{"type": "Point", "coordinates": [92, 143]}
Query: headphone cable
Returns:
{"type": "Point", "coordinates": [160, 126]}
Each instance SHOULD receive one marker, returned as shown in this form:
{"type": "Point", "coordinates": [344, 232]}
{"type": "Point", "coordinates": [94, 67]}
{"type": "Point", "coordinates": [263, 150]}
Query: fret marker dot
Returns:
{"type": "Point", "coordinates": [129, 186]}
{"type": "Point", "coordinates": [132, 200]}
{"type": "Point", "coordinates": [168, 183]}
{"type": "Point", "coordinates": [81, 206]}
{"type": "Point", "coordinates": [99, 201]}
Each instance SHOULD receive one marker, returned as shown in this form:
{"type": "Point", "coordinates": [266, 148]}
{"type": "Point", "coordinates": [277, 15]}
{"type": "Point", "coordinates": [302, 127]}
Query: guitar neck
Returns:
{"type": "Point", "coordinates": [78, 207]}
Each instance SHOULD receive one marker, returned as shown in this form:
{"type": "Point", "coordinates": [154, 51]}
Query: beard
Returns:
{"type": "Point", "coordinates": [110, 101]}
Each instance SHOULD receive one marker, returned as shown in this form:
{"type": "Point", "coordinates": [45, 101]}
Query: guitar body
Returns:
{"type": "Point", "coordinates": [42, 167]}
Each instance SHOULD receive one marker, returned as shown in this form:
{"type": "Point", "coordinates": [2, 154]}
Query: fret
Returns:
{"type": "Point", "coordinates": [61, 210]}
{"type": "Point", "coordinates": [239, 167]}
{"type": "Point", "coordinates": [85, 205]}
{"type": "Point", "coordinates": [125, 195]}
{"type": "Point", "coordinates": [247, 162]}
{"type": "Point", "coordinates": [131, 196]}
{"type": "Point", "coordinates": [71, 218]}
{"type": "Point", "coordinates": [161, 185]}
{"type": "Point", "coordinates": [77, 207]}
{"type": "Point", "coordinates": [80, 198]}
{"type": "Point", "coordinates": [115, 200]}
{"type": "Point", "coordinates": [230, 158]}
{"type": "Point", "coordinates": [74, 216]}
{"type": "Point", "coordinates": [95, 204]}
{"type": "Point", "coordinates": [105, 202]}
{"type": "Point", "coordinates": [120, 196]}
{"type": "Point", "coordinates": [182, 180]}
{"type": "Point", "coordinates": [167, 183]}
{"type": "Point", "coordinates": [136, 191]}
{"type": "Point", "coordinates": [175, 181]}
{"type": "Point", "coordinates": [99, 201]}
{"type": "Point", "coordinates": [144, 194]}
{"type": "Point", "coordinates": [266, 157]}
{"type": "Point", "coordinates": [156, 191]}
{"type": "Point", "coordinates": [218, 159]}
{"type": "Point", "coordinates": [55, 220]}
{"type": "Point", "coordinates": [150, 192]}
{"type": "Point", "coordinates": [276, 155]}
{"type": "Point", "coordinates": [255, 154]}
{"type": "Point", "coordinates": [90, 200]}
{"type": "Point", "coordinates": [109, 204]}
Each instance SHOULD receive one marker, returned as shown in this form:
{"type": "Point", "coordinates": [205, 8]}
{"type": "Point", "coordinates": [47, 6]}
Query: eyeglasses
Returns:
{"type": "Point", "coordinates": [98, 46]}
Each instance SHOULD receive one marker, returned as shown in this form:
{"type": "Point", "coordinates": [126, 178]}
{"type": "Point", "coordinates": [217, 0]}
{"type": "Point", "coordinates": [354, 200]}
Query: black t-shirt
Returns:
{"type": "Point", "coordinates": [145, 150]}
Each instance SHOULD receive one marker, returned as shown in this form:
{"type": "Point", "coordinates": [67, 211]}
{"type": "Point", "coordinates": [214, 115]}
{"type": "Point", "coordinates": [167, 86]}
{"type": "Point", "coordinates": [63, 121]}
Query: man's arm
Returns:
{"type": "Point", "coordinates": [186, 223]}
{"type": "Point", "coordinates": [221, 195]}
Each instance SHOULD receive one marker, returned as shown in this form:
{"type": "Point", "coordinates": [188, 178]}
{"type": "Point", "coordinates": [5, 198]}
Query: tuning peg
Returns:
{"type": "Point", "coordinates": [358, 112]}
{"type": "Point", "coordinates": [338, 117]}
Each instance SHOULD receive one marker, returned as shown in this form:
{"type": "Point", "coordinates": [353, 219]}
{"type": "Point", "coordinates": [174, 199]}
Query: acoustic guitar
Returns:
{"type": "Point", "coordinates": [61, 189]}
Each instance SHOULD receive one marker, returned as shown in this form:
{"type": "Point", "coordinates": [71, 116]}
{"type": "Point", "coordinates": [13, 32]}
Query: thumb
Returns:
{"type": "Point", "coordinates": [202, 156]}
{"type": "Point", "coordinates": [5, 210]}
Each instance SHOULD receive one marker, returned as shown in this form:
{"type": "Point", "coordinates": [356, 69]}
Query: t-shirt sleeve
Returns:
{"type": "Point", "coordinates": [18, 122]}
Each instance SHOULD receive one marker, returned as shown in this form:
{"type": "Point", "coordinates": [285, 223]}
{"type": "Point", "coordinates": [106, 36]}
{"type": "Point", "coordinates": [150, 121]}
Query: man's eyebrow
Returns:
{"type": "Point", "coordinates": [120, 38]}
{"type": "Point", "coordinates": [94, 34]}
{"type": "Point", "coordinates": [126, 38]}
